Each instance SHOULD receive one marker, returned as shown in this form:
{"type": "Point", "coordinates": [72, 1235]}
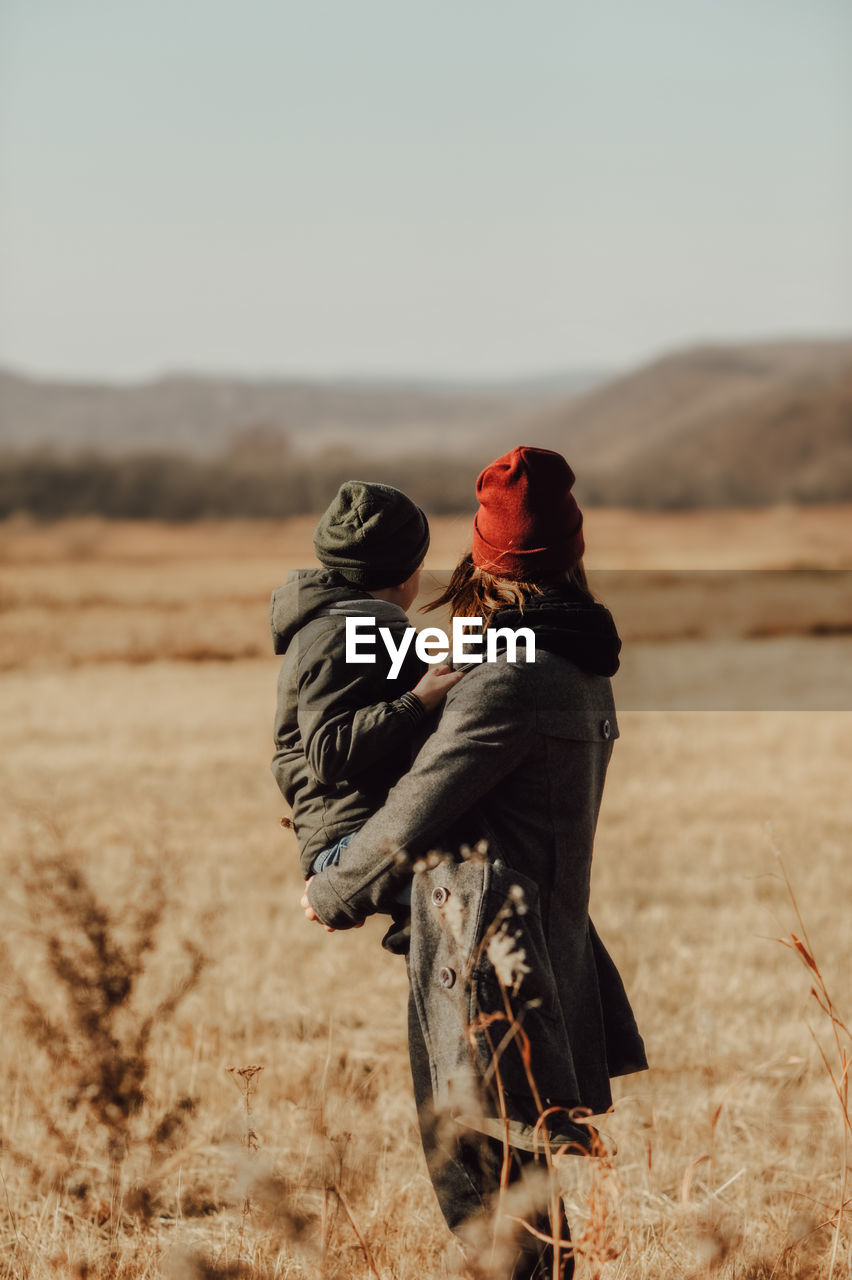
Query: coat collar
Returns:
{"type": "Point", "coordinates": [568, 622]}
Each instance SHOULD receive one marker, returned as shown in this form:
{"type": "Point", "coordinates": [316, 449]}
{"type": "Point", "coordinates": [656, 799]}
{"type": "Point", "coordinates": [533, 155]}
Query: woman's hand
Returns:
{"type": "Point", "coordinates": [434, 686]}
{"type": "Point", "coordinates": [312, 915]}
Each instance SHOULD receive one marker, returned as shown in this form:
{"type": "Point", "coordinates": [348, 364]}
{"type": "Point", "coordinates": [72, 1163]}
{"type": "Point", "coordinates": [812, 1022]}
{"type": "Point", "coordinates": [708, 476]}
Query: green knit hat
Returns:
{"type": "Point", "coordinates": [372, 535]}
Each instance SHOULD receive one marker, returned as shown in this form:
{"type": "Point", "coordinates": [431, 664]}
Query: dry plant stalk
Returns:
{"type": "Point", "coordinates": [360, 1237]}
{"type": "Point", "coordinates": [247, 1081]}
{"type": "Point", "coordinates": [245, 1078]}
{"type": "Point", "coordinates": [603, 1237]}
{"type": "Point", "coordinates": [838, 1070]}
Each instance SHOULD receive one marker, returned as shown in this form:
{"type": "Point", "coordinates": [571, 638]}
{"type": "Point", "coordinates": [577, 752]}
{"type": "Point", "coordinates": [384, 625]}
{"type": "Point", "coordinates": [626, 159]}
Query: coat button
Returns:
{"type": "Point", "coordinates": [447, 977]}
{"type": "Point", "coordinates": [606, 729]}
{"type": "Point", "coordinates": [439, 896]}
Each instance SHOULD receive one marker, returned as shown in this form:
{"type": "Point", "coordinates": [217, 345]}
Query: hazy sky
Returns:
{"type": "Point", "coordinates": [453, 187]}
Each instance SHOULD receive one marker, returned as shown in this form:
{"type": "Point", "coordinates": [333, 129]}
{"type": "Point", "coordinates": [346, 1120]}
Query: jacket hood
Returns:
{"type": "Point", "coordinates": [572, 625]}
{"type": "Point", "coordinates": [314, 593]}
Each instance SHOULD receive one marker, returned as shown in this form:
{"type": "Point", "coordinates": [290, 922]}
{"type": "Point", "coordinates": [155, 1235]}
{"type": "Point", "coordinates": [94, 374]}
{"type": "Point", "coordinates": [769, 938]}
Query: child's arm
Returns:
{"type": "Point", "coordinates": [343, 729]}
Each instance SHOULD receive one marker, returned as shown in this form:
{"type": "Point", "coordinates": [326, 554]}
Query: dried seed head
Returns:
{"type": "Point", "coordinates": [453, 914]}
{"type": "Point", "coordinates": [247, 1073]}
{"type": "Point", "coordinates": [509, 959]}
{"type": "Point", "coordinates": [518, 899]}
{"type": "Point", "coordinates": [244, 1079]}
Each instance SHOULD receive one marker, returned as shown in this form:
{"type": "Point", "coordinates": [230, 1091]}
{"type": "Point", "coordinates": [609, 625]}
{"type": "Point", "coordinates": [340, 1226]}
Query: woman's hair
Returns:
{"type": "Point", "coordinates": [474, 593]}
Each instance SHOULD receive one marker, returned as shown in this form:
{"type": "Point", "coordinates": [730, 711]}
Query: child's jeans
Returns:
{"type": "Point", "coordinates": [331, 856]}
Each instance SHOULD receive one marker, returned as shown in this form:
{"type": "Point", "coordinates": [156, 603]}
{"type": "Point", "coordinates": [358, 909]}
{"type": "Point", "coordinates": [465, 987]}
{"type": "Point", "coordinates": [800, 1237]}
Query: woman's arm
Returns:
{"type": "Point", "coordinates": [484, 733]}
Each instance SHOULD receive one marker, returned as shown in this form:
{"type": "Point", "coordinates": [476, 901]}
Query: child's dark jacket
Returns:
{"type": "Point", "coordinates": [344, 733]}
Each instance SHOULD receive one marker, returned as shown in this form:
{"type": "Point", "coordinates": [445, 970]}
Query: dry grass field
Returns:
{"type": "Point", "coordinates": [141, 836]}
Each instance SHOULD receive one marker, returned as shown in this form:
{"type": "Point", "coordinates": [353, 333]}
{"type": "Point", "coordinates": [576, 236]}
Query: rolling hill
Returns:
{"type": "Point", "coordinates": [737, 425]}
{"type": "Point", "coordinates": [205, 414]}
{"type": "Point", "coordinates": [713, 426]}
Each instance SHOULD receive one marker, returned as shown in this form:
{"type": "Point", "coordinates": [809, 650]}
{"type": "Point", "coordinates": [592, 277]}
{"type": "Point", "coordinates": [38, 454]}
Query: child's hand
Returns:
{"type": "Point", "coordinates": [432, 688]}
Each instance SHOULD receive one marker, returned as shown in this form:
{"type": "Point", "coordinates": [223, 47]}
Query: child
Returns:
{"type": "Point", "coordinates": [345, 733]}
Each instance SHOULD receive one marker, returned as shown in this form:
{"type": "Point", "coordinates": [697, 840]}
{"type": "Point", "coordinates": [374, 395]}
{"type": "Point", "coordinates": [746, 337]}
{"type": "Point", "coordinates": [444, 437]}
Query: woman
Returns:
{"type": "Point", "coordinates": [516, 1012]}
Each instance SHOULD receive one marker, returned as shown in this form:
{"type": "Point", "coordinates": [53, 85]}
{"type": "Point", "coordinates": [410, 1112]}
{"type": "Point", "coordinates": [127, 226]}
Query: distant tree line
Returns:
{"type": "Point", "coordinates": [179, 487]}
{"type": "Point", "coordinates": [258, 478]}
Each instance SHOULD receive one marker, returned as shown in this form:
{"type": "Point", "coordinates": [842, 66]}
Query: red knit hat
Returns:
{"type": "Point", "coordinates": [528, 523]}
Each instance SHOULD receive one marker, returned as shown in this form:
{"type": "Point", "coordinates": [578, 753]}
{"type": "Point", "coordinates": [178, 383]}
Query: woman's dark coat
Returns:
{"type": "Point", "coordinates": [518, 760]}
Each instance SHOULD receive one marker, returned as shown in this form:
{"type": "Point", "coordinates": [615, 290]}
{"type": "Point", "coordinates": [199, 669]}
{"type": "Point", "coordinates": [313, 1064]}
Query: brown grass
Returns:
{"type": "Point", "coordinates": [730, 1150]}
{"type": "Point", "coordinates": [89, 591]}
